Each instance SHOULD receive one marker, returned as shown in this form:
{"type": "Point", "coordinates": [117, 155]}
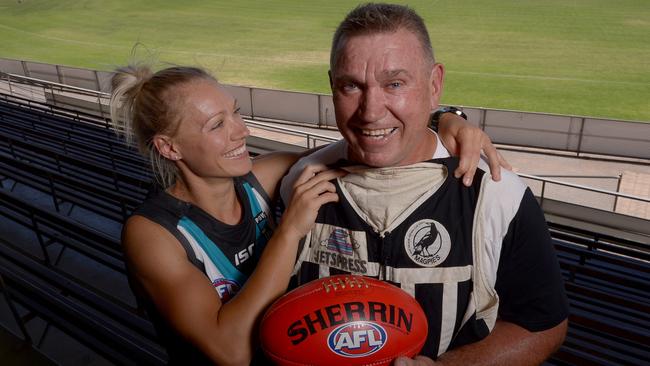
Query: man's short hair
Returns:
{"type": "Point", "coordinates": [373, 18]}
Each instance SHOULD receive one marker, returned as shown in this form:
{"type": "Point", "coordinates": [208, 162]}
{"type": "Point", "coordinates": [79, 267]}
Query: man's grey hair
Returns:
{"type": "Point", "coordinates": [373, 18]}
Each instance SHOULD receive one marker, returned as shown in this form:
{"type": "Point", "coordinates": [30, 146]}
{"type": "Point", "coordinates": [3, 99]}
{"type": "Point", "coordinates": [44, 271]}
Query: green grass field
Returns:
{"type": "Point", "coordinates": [584, 57]}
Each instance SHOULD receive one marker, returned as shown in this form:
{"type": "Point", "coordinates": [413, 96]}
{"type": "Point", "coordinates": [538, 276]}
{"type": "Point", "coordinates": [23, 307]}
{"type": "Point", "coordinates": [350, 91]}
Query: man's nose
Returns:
{"type": "Point", "coordinates": [373, 106]}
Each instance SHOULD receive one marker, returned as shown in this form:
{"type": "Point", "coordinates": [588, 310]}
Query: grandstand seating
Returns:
{"type": "Point", "coordinates": [64, 188]}
{"type": "Point", "coordinates": [608, 286]}
{"type": "Point", "coordinates": [75, 160]}
{"type": "Point", "coordinates": [109, 328]}
{"type": "Point", "coordinates": [65, 136]}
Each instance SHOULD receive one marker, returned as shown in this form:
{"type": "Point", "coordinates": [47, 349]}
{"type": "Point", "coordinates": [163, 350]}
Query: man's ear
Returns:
{"type": "Point", "coordinates": [166, 147]}
{"type": "Point", "coordinates": [436, 82]}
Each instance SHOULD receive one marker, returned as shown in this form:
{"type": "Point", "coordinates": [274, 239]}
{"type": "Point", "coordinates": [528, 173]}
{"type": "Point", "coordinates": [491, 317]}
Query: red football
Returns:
{"type": "Point", "coordinates": [343, 320]}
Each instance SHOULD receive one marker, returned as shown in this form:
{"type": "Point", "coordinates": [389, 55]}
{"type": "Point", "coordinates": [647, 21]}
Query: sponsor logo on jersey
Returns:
{"type": "Point", "coordinates": [244, 254]}
{"type": "Point", "coordinates": [357, 339]}
{"type": "Point", "coordinates": [262, 222]}
{"type": "Point", "coordinates": [226, 288]}
{"type": "Point", "coordinates": [337, 248]}
{"type": "Point", "coordinates": [427, 243]}
{"type": "Point", "coordinates": [262, 216]}
{"type": "Point", "coordinates": [341, 262]}
{"type": "Point", "coordinates": [340, 241]}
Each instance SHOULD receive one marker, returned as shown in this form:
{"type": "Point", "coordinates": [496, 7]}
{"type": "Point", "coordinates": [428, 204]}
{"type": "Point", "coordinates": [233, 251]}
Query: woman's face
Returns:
{"type": "Point", "coordinates": [211, 137]}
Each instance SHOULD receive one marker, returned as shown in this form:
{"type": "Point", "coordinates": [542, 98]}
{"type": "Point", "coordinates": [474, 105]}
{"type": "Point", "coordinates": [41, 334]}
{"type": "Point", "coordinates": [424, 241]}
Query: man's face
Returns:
{"type": "Point", "coordinates": [384, 90]}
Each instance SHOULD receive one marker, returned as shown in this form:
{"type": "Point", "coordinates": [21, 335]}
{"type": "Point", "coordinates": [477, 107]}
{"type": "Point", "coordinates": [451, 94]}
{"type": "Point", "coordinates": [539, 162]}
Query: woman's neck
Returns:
{"type": "Point", "coordinates": [216, 197]}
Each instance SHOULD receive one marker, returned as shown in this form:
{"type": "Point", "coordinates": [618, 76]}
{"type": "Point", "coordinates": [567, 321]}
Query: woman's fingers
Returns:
{"type": "Point", "coordinates": [494, 160]}
{"type": "Point", "coordinates": [315, 175]}
{"type": "Point", "coordinates": [469, 159]}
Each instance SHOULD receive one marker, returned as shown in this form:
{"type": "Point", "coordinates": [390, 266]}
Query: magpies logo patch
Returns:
{"type": "Point", "coordinates": [427, 243]}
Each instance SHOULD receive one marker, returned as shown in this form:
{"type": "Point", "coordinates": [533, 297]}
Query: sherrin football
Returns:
{"type": "Point", "coordinates": [343, 320]}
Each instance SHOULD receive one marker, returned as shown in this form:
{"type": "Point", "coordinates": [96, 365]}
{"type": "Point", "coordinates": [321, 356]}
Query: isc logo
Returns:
{"type": "Point", "coordinates": [357, 339]}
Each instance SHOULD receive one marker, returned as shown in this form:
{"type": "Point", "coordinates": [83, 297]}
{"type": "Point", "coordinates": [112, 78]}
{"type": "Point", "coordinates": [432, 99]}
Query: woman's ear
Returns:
{"type": "Point", "coordinates": [166, 147]}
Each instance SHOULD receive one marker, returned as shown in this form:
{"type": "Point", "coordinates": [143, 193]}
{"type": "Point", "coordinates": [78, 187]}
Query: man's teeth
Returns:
{"type": "Point", "coordinates": [377, 133]}
{"type": "Point", "coordinates": [235, 153]}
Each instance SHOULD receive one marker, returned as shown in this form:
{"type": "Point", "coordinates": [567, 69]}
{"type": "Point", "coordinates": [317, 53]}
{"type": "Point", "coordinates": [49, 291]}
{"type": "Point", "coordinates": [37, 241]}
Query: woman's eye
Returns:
{"type": "Point", "coordinates": [216, 125]}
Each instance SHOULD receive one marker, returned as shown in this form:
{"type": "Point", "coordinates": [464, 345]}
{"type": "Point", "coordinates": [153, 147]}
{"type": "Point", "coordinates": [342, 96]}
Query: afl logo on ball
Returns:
{"type": "Point", "coordinates": [357, 339]}
{"type": "Point", "coordinates": [427, 243]}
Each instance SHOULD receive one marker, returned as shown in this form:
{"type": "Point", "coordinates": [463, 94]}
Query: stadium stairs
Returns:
{"type": "Point", "coordinates": [68, 183]}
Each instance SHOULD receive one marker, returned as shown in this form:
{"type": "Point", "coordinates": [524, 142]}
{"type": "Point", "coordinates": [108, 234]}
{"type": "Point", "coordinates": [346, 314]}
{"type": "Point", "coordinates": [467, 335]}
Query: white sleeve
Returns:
{"type": "Point", "coordinates": [327, 155]}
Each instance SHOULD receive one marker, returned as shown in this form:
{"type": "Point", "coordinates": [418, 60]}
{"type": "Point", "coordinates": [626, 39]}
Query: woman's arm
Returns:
{"type": "Point", "coordinates": [270, 168]}
{"type": "Point", "coordinates": [187, 299]}
{"type": "Point", "coordinates": [467, 141]}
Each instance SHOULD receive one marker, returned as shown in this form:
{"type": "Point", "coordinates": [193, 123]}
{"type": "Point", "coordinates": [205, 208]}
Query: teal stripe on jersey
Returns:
{"type": "Point", "coordinates": [255, 207]}
{"type": "Point", "coordinates": [212, 250]}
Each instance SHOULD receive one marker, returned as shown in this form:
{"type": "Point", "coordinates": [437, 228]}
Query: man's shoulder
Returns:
{"type": "Point", "coordinates": [327, 155]}
{"type": "Point", "coordinates": [510, 187]}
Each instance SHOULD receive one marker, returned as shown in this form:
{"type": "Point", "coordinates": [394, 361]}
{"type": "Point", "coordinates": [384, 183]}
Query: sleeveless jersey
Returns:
{"type": "Point", "coordinates": [467, 254]}
{"type": "Point", "coordinates": [227, 254]}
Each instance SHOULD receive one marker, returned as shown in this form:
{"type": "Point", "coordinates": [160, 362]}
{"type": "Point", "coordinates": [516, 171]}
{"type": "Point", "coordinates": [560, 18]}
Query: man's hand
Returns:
{"type": "Point", "coordinates": [417, 361]}
{"type": "Point", "coordinates": [466, 141]}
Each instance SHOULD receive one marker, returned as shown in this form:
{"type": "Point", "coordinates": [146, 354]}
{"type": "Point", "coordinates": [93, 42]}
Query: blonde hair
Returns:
{"type": "Point", "coordinates": [143, 104]}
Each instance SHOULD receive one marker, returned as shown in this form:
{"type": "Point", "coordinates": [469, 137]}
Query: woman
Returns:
{"type": "Point", "coordinates": [194, 246]}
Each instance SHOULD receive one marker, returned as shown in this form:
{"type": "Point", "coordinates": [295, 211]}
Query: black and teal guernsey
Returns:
{"type": "Point", "coordinates": [469, 255]}
{"type": "Point", "coordinates": [227, 254]}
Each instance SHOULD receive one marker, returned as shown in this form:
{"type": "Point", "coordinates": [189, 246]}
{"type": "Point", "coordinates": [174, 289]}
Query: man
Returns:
{"type": "Point", "coordinates": [479, 258]}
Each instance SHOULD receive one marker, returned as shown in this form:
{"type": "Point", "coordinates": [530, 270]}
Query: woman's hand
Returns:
{"type": "Point", "coordinates": [466, 141]}
{"type": "Point", "coordinates": [311, 190]}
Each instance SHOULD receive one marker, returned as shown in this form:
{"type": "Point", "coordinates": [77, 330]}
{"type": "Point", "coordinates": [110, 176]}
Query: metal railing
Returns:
{"type": "Point", "coordinates": [58, 90]}
{"type": "Point", "coordinates": [616, 195]}
{"type": "Point", "coordinates": [311, 139]}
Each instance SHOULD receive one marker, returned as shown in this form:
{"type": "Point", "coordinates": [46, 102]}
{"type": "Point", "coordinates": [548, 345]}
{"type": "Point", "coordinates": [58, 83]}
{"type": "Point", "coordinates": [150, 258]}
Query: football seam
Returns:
{"type": "Point", "coordinates": [273, 309]}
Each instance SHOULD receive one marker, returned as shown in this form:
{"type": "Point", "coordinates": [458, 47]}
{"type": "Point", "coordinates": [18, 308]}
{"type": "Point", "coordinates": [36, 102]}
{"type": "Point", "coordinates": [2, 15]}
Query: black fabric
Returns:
{"type": "Point", "coordinates": [529, 282]}
{"type": "Point", "coordinates": [165, 210]}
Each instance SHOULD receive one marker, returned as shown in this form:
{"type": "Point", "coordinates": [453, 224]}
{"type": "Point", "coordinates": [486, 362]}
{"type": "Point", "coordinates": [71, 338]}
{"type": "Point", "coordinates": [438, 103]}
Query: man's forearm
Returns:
{"type": "Point", "coordinates": [508, 344]}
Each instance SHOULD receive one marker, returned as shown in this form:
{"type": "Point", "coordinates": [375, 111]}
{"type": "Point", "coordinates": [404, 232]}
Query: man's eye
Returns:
{"type": "Point", "coordinates": [350, 87]}
{"type": "Point", "coordinates": [236, 111]}
{"type": "Point", "coordinates": [395, 84]}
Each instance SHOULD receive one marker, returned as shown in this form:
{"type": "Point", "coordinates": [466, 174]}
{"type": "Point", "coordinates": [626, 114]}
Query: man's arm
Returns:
{"type": "Point", "coordinates": [507, 344]}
